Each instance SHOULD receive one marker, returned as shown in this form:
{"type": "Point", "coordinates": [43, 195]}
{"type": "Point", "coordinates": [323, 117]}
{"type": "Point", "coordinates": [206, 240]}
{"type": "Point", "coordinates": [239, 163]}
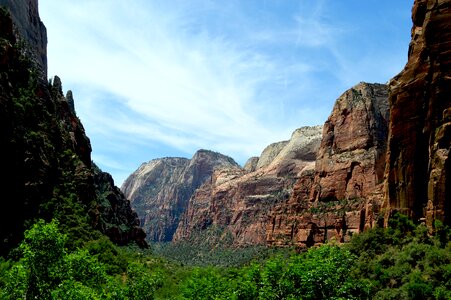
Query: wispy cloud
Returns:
{"type": "Point", "coordinates": [232, 76]}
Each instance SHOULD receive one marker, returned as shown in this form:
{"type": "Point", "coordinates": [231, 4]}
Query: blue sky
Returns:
{"type": "Point", "coordinates": [166, 78]}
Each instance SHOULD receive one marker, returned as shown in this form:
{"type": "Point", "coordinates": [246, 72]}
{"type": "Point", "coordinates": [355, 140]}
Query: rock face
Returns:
{"type": "Point", "coordinates": [114, 212]}
{"type": "Point", "coordinates": [418, 165]}
{"type": "Point", "coordinates": [269, 153]}
{"type": "Point", "coordinates": [333, 196]}
{"type": "Point", "coordinates": [46, 155]}
{"type": "Point", "coordinates": [29, 28]}
{"type": "Point", "coordinates": [234, 206]}
{"type": "Point", "coordinates": [351, 157]}
{"type": "Point", "coordinates": [251, 164]}
{"type": "Point", "coordinates": [160, 189]}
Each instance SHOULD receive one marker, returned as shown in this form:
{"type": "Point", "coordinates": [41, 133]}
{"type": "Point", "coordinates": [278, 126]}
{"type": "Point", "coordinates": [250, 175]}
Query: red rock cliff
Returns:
{"type": "Point", "coordinates": [160, 189]}
{"type": "Point", "coordinates": [337, 196]}
{"type": "Point", "coordinates": [418, 164]}
{"type": "Point", "coordinates": [234, 206]}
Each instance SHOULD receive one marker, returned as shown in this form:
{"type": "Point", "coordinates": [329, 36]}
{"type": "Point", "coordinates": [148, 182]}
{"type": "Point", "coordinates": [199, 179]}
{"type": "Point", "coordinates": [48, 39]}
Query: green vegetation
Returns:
{"type": "Point", "coordinates": [47, 270]}
{"type": "Point", "coordinates": [212, 246]}
{"type": "Point", "coordinates": [401, 262]}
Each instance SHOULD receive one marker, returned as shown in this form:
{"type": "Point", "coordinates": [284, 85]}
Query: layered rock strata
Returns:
{"type": "Point", "coordinates": [339, 194]}
{"type": "Point", "coordinates": [234, 206]}
{"type": "Point", "coordinates": [160, 189]}
{"type": "Point", "coordinates": [418, 164]}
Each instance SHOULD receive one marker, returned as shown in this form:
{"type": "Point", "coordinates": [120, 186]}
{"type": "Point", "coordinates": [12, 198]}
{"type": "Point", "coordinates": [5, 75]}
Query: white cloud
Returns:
{"type": "Point", "coordinates": [192, 74]}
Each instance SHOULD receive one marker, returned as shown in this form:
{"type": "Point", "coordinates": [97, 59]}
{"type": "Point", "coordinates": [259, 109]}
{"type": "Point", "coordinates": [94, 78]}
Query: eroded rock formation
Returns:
{"type": "Point", "coordinates": [160, 189]}
{"type": "Point", "coordinates": [418, 165]}
{"type": "Point", "coordinates": [30, 30]}
{"type": "Point", "coordinates": [333, 197]}
{"type": "Point", "coordinates": [251, 164]}
{"type": "Point", "coordinates": [234, 206]}
{"type": "Point", "coordinates": [351, 157]}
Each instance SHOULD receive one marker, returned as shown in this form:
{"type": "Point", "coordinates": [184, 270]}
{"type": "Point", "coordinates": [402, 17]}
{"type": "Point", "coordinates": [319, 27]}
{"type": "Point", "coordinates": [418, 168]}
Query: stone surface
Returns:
{"type": "Point", "coordinates": [302, 147]}
{"type": "Point", "coordinates": [160, 189]}
{"type": "Point", "coordinates": [29, 28]}
{"type": "Point", "coordinates": [114, 212]}
{"type": "Point", "coordinates": [341, 193]}
{"type": "Point", "coordinates": [351, 158]}
{"type": "Point", "coordinates": [269, 153]}
{"type": "Point", "coordinates": [251, 164]}
{"type": "Point", "coordinates": [418, 164]}
{"type": "Point", "coordinates": [234, 206]}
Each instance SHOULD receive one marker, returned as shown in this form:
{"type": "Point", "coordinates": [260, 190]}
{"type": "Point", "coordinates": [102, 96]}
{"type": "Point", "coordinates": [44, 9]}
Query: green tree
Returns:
{"type": "Point", "coordinates": [43, 252]}
{"type": "Point", "coordinates": [140, 284]}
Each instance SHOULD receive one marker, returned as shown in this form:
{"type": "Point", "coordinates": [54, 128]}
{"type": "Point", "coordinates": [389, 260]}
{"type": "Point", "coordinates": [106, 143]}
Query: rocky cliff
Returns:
{"type": "Point", "coordinates": [160, 189]}
{"type": "Point", "coordinates": [334, 197]}
{"type": "Point", "coordinates": [418, 165]}
{"type": "Point", "coordinates": [46, 155]}
{"type": "Point", "coordinates": [233, 207]}
{"type": "Point", "coordinates": [351, 158]}
{"type": "Point", "coordinates": [30, 31]}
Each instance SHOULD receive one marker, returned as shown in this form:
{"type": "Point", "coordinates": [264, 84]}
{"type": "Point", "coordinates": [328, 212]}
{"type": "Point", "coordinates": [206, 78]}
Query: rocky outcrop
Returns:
{"type": "Point", "coordinates": [46, 156]}
{"type": "Point", "coordinates": [113, 212]}
{"type": "Point", "coordinates": [351, 157]}
{"type": "Point", "coordinates": [251, 164]}
{"type": "Point", "coordinates": [269, 153]}
{"type": "Point", "coordinates": [30, 30]}
{"type": "Point", "coordinates": [160, 189]}
{"type": "Point", "coordinates": [234, 206]}
{"type": "Point", "coordinates": [333, 197]}
{"type": "Point", "coordinates": [418, 164]}
{"type": "Point", "coordinates": [301, 148]}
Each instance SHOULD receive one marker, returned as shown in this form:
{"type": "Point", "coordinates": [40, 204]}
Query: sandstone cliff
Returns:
{"type": "Point", "coordinates": [269, 153]}
{"type": "Point", "coordinates": [418, 165]}
{"type": "Point", "coordinates": [251, 164]}
{"type": "Point", "coordinates": [160, 189]}
{"type": "Point", "coordinates": [46, 155]}
{"type": "Point", "coordinates": [29, 29]}
{"type": "Point", "coordinates": [332, 197]}
{"type": "Point", "coordinates": [233, 207]}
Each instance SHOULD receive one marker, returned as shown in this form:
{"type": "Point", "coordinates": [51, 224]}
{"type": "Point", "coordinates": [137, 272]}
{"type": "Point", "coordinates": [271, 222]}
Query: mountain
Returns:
{"type": "Point", "coordinates": [341, 193]}
{"type": "Point", "coordinates": [160, 189]}
{"type": "Point", "coordinates": [418, 165]}
{"type": "Point", "coordinates": [383, 150]}
{"type": "Point", "coordinates": [324, 183]}
{"type": "Point", "coordinates": [233, 207]}
{"type": "Point", "coordinates": [46, 158]}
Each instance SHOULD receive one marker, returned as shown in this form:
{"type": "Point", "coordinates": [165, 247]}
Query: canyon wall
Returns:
{"type": "Point", "coordinates": [234, 206]}
{"type": "Point", "coordinates": [30, 31]}
{"type": "Point", "coordinates": [340, 194]}
{"type": "Point", "coordinates": [160, 189]}
{"type": "Point", "coordinates": [418, 165]}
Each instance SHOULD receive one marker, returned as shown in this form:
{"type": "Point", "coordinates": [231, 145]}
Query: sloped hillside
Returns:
{"type": "Point", "coordinates": [46, 156]}
{"type": "Point", "coordinates": [160, 189]}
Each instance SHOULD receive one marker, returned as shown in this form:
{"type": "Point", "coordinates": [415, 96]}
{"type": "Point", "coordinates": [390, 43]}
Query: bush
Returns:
{"type": "Point", "coordinates": [43, 252]}
{"type": "Point", "coordinates": [107, 253]}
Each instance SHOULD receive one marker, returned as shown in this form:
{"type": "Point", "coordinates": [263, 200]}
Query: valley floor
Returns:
{"type": "Point", "coordinates": [400, 262]}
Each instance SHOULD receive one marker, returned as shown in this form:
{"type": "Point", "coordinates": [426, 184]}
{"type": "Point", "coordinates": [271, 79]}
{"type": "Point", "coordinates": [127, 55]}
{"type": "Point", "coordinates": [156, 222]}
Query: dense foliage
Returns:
{"type": "Point", "coordinates": [47, 270]}
{"type": "Point", "coordinates": [401, 262]}
{"type": "Point", "coordinates": [212, 246]}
